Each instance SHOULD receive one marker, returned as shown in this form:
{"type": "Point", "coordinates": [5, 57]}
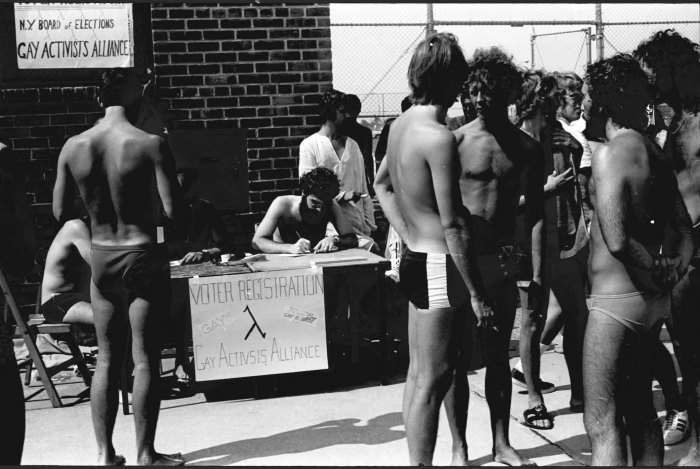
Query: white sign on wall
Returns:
{"type": "Point", "coordinates": [257, 324]}
{"type": "Point", "coordinates": [74, 35]}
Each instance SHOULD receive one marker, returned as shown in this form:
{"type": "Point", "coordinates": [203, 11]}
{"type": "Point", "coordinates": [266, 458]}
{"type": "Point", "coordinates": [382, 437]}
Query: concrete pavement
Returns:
{"type": "Point", "coordinates": [349, 420]}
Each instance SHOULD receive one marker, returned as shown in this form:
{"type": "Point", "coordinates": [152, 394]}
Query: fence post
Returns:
{"type": "Point", "coordinates": [599, 31]}
{"type": "Point", "coordinates": [532, 49]}
{"type": "Point", "coordinates": [588, 45]}
{"type": "Point", "coordinates": [430, 25]}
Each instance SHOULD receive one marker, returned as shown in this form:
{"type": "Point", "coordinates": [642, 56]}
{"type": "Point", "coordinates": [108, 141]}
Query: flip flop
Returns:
{"type": "Point", "coordinates": [539, 412]}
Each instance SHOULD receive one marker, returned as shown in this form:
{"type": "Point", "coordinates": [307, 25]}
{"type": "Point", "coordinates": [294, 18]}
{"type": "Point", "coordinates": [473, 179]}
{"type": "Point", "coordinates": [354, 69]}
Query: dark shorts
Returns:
{"type": "Point", "coordinates": [56, 307]}
{"type": "Point", "coordinates": [137, 268]}
{"type": "Point", "coordinates": [431, 281]}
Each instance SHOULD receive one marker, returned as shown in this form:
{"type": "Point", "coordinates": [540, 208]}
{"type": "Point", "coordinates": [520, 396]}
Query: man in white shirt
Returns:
{"type": "Point", "coordinates": [331, 148]}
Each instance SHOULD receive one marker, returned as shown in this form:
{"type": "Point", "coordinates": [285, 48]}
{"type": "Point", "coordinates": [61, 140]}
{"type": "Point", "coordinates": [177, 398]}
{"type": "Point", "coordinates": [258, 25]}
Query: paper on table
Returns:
{"type": "Point", "coordinates": [174, 263]}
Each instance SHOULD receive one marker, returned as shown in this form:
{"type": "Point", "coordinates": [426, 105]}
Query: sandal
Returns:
{"type": "Point", "coordinates": [539, 412]}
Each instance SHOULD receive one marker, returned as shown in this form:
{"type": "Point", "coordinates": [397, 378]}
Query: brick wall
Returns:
{"type": "Point", "coordinates": [218, 66]}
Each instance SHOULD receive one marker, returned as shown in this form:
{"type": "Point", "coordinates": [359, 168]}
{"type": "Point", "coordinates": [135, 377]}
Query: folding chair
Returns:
{"type": "Point", "coordinates": [28, 331]}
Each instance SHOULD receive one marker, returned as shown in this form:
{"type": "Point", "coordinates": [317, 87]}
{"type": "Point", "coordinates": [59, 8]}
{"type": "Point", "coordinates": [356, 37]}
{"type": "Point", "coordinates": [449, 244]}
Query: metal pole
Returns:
{"type": "Point", "coordinates": [588, 46]}
{"type": "Point", "coordinates": [430, 25]}
{"type": "Point", "coordinates": [532, 49]}
{"type": "Point", "coordinates": [599, 33]}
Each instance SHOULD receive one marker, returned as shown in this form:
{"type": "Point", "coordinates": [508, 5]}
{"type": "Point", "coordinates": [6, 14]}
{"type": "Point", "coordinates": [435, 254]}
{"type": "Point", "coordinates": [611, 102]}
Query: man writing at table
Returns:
{"type": "Point", "coordinates": [297, 224]}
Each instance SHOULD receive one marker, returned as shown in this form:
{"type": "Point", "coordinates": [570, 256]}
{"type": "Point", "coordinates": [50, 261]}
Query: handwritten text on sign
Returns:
{"type": "Point", "coordinates": [74, 35]}
{"type": "Point", "coordinates": [256, 324]}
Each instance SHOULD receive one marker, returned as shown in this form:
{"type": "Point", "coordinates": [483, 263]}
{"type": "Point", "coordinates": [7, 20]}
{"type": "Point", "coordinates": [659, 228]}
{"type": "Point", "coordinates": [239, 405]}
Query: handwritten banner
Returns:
{"type": "Point", "coordinates": [74, 35]}
{"type": "Point", "coordinates": [255, 324]}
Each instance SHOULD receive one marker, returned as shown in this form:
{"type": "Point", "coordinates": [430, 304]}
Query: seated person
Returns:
{"type": "Point", "coordinates": [297, 224]}
{"type": "Point", "coordinates": [200, 235]}
{"type": "Point", "coordinates": [65, 288]}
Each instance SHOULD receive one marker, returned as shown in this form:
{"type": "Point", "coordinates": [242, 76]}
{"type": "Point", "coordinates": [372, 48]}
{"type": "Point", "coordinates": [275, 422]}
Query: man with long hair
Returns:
{"type": "Point", "coordinates": [634, 263]}
{"type": "Point", "coordinates": [417, 185]}
{"type": "Point", "coordinates": [672, 64]}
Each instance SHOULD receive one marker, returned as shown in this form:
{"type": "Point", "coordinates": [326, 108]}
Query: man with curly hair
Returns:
{"type": "Point", "coordinates": [498, 163]}
{"type": "Point", "coordinates": [297, 224]}
{"type": "Point", "coordinates": [640, 245]}
{"type": "Point", "coordinates": [672, 63]}
{"type": "Point", "coordinates": [417, 185]}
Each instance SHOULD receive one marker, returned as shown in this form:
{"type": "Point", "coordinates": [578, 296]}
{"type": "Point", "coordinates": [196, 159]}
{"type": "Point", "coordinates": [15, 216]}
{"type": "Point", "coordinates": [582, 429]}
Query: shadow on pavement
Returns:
{"type": "Point", "coordinates": [331, 433]}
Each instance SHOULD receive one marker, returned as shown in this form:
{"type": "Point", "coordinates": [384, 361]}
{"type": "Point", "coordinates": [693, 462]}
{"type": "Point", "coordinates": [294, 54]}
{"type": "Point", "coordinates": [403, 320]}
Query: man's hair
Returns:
{"type": "Point", "coordinates": [112, 84]}
{"type": "Point", "coordinates": [353, 105]}
{"type": "Point", "coordinates": [406, 103]}
{"type": "Point", "coordinates": [618, 86]}
{"type": "Point", "coordinates": [436, 68]}
{"type": "Point", "coordinates": [331, 101]}
{"type": "Point", "coordinates": [536, 85]}
{"type": "Point", "coordinates": [494, 68]}
{"type": "Point", "coordinates": [568, 82]}
{"type": "Point", "coordinates": [676, 64]}
{"type": "Point", "coordinates": [320, 181]}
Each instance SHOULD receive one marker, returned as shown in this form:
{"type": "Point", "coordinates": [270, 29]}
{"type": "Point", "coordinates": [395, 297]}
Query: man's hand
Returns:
{"type": "Point", "coordinates": [563, 139]}
{"type": "Point", "coordinates": [555, 181]}
{"type": "Point", "coordinates": [300, 247]}
{"type": "Point", "coordinates": [353, 196]}
{"type": "Point", "coordinates": [327, 244]}
{"type": "Point", "coordinates": [194, 258]}
{"type": "Point", "coordinates": [535, 297]}
{"type": "Point", "coordinates": [666, 271]}
{"type": "Point", "coordinates": [484, 314]}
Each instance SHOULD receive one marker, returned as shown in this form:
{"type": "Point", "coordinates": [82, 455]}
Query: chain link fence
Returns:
{"type": "Point", "coordinates": [373, 43]}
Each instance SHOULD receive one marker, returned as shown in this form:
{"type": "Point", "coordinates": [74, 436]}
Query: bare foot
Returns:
{"type": "Point", "coordinates": [459, 456]}
{"type": "Point", "coordinates": [509, 456]}
{"type": "Point", "coordinates": [159, 459]}
{"type": "Point", "coordinates": [112, 460]}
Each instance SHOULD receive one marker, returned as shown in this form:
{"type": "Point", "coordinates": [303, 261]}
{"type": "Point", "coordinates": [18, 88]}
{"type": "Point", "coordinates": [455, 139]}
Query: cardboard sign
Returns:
{"type": "Point", "coordinates": [257, 324]}
{"type": "Point", "coordinates": [74, 35]}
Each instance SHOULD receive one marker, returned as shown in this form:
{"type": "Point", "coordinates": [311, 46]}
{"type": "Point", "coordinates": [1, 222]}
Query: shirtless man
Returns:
{"type": "Point", "coordinates": [672, 64]}
{"type": "Point", "coordinates": [632, 267]}
{"type": "Point", "coordinates": [293, 224]}
{"type": "Point", "coordinates": [496, 158]}
{"type": "Point", "coordinates": [65, 287]}
{"type": "Point", "coordinates": [114, 165]}
{"type": "Point", "coordinates": [417, 185]}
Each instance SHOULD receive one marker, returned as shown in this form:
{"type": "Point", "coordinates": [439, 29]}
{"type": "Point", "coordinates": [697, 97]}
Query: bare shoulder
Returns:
{"type": "Point", "coordinates": [76, 229]}
{"type": "Point", "coordinates": [436, 137]}
{"type": "Point", "coordinates": [283, 203]}
{"type": "Point", "coordinates": [619, 153]}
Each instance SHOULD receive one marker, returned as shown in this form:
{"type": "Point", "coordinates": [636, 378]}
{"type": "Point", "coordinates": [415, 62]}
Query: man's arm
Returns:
{"type": "Point", "coordinates": [166, 178]}
{"type": "Point", "coordinates": [263, 237]}
{"type": "Point", "coordinates": [387, 199]}
{"type": "Point", "coordinates": [534, 214]}
{"type": "Point", "coordinates": [612, 206]}
{"type": "Point", "coordinates": [346, 237]}
{"type": "Point", "coordinates": [443, 159]}
{"type": "Point", "coordinates": [64, 189]}
{"type": "Point", "coordinates": [683, 225]}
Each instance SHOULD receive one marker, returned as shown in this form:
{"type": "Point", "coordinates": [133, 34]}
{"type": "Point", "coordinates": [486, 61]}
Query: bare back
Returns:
{"type": "Point", "coordinates": [67, 266]}
{"type": "Point", "coordinates": [490, 180]}
{"type": "Point", "coordinates": [411, 140]}
{"type": "Point", "coordinates": [113, 165]}
{"type": "Point", "coordinates": [631, 195]}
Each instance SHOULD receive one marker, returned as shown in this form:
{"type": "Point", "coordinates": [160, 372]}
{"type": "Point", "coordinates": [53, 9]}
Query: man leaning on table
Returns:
{"type": "Point", "coordinates": [297, 224]}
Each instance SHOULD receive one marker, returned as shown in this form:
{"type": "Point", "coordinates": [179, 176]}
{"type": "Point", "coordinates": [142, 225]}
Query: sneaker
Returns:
{"type": "Point", "coordinates": [675, 427]}
{"type": "Point", "coordinates": [519, 380]}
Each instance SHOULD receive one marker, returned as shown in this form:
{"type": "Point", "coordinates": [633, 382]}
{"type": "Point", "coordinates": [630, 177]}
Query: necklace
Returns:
{"type": "Point", "coordinates": [680, 124]}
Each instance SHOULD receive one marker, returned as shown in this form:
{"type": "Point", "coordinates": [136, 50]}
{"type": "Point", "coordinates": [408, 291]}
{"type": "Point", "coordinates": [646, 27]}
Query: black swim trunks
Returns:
{"type": "Point", "coordinates": [55, 308]}
{"type": "Point", "coordinates": [431, 281]}
{"type": "Point", "coordinates": [137, 268]}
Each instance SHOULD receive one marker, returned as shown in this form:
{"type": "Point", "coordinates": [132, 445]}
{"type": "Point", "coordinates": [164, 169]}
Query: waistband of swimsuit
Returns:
{"type": "Point", "coordinates": [616, 296]}
{"type": "Point", "coordinates": [498, 250]}
{"type": "Point", "coordinates": [123, 247]}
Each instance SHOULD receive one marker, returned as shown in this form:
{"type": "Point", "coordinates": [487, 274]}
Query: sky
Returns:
{"type": "Point", "coordinates": [371, 61]}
